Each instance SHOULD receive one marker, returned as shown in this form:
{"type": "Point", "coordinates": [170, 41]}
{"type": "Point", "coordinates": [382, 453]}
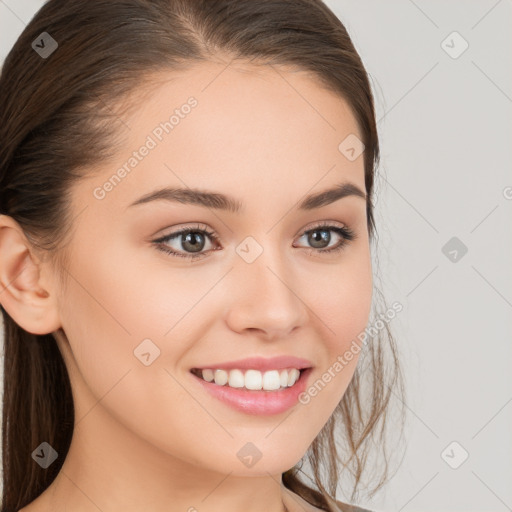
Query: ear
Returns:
{"type": "Point", "coordinates": [25, 296]}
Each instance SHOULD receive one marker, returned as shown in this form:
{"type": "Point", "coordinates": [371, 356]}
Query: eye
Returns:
{"type": "Point", "coordinates": [320, 237]}
{"type": "Point", "coordinates": [192, 240]}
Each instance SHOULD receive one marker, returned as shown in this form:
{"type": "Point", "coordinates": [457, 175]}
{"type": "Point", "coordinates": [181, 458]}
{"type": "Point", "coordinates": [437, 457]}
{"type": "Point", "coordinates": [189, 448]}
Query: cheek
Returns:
{"type": "Point", "coordinates": [341, 300]}
{"type": "Point", "coordinates": [111, 306]}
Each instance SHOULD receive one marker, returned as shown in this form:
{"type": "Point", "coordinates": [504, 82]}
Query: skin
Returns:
{"type": "Point", "coordinates": [148, 437]}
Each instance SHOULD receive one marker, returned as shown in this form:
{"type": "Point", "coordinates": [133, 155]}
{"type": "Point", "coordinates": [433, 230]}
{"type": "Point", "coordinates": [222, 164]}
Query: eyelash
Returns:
{"type": "Point", "coordinates": [345, 232]}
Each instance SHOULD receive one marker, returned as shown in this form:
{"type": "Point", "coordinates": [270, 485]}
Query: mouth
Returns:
{"type": "Point", "coordinates": [264, 397]}
{"type": "Point", "coordinates": [251, 379]}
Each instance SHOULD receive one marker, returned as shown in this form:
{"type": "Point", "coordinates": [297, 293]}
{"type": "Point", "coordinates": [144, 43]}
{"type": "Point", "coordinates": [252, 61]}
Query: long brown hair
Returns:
{"type": "Point", "coordinates": [59, 116]}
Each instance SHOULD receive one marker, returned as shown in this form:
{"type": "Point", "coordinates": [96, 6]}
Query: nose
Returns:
{"type": "Point", "coordinates": [264, 298]}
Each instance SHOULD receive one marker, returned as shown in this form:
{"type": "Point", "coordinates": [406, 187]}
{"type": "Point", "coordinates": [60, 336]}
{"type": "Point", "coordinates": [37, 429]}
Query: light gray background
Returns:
{"type": "Point", "coordinates": [445, 126]}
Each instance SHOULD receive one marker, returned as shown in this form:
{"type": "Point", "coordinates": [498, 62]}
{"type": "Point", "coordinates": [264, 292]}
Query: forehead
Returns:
{"type": "Point", "coordinates": [249, 130]}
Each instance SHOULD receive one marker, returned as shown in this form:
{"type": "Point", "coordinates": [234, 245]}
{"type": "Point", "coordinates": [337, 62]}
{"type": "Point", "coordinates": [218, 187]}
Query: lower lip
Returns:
{"type": "Point", "coordinates": [262, 403]}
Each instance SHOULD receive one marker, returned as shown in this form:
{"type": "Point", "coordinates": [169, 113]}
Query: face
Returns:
{"type": "Point", "coordinates": [271, 279]}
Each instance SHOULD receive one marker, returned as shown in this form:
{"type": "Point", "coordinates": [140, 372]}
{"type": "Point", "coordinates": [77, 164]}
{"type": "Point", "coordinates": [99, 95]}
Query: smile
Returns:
{"type": "Point", "coordinates": [257, 401]}
{"type": "Point", "coordinates": [271, 380]}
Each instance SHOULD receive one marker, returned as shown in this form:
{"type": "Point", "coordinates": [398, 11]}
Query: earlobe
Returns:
{"type": "Point", "coordinates": [22, 293]}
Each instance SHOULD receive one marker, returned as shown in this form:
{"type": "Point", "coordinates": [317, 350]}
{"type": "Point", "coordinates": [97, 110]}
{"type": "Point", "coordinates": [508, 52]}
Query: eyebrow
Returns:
{"type": "Point", "coordinates": [220, 201]}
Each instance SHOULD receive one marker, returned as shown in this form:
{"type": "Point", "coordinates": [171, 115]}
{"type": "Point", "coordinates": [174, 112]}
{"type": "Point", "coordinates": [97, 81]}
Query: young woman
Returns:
{"type": "Point", "coordinates": [185, 259]}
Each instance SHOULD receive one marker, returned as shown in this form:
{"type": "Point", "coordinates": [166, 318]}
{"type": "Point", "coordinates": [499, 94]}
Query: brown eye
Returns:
{"type": "Point", "coordinates": [320, 236]}
{"type": "Point", "coordinates": [188, 240]}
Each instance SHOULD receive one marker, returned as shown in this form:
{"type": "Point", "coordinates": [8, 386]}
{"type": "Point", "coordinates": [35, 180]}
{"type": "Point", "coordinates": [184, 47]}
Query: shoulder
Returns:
{"type": "Point", "coordinates": [351, 508]}
{"type": "Point", "coordinates": [291, 500]}
{"type": "Point", "coordinates": [342, 507]}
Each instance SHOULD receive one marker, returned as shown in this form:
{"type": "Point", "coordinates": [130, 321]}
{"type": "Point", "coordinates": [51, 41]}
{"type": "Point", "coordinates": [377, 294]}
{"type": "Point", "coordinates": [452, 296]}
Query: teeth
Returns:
{"type": "Point", "coordinates": [236, 379]}
{"type": "Point", "coordinates": [293, 376]}
{"type": "Point", "coordinates": [221, 377]}
{"type": "Point", "coordinates": [283, 378]}
{"type": "Point", "coordinates": [208, 375]}
{"type": "Point", "coordinates": [252, 379]}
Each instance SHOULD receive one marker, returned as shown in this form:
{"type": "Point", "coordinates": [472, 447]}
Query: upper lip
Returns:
{"type": "Point", "coordinates": [261, 363]}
